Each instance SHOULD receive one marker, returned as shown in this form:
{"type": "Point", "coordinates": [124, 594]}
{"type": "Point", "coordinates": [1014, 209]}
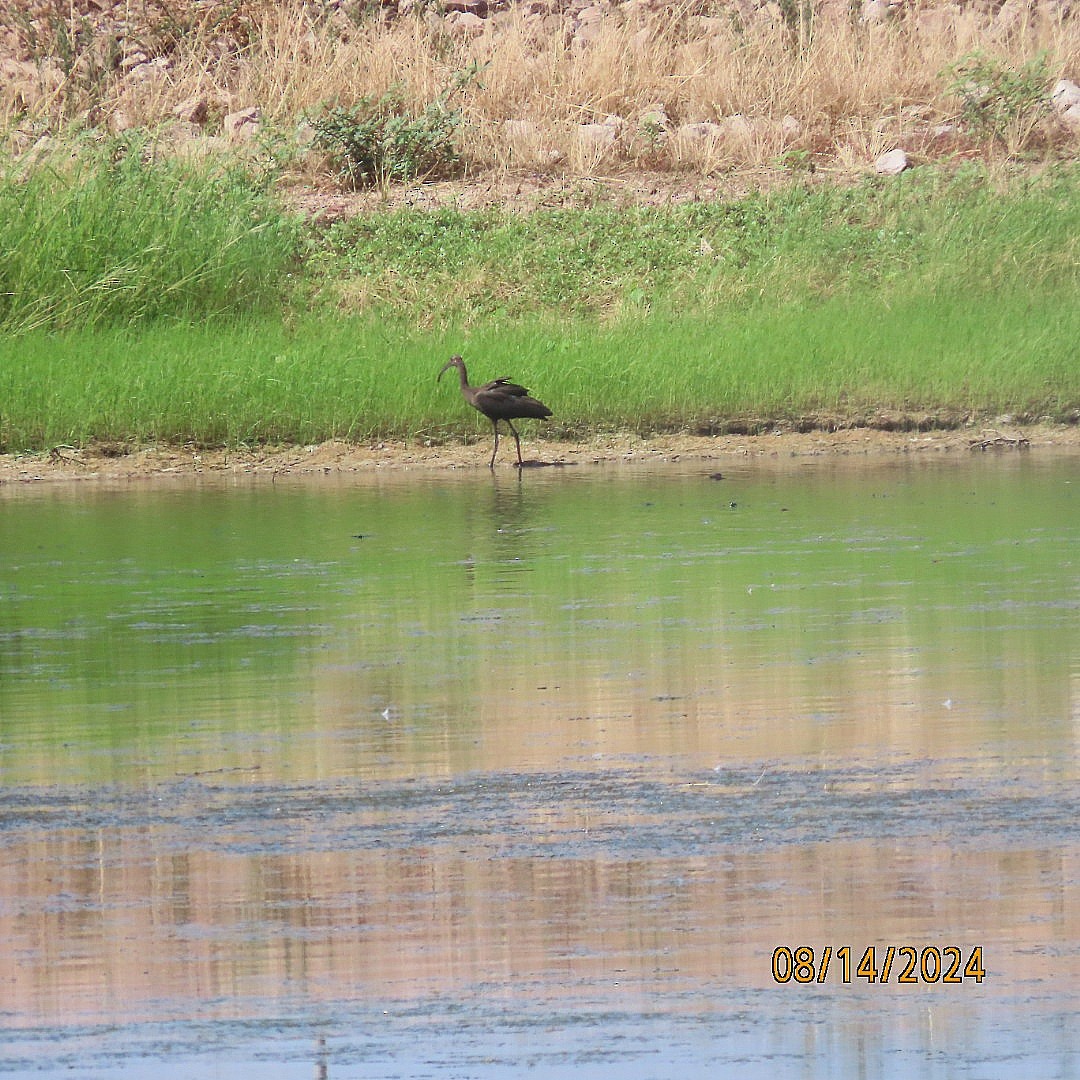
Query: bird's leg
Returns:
{"type": "Point", "coordinates": [495, 448]}
{"type": "Point", "coordinates": [516, 439]}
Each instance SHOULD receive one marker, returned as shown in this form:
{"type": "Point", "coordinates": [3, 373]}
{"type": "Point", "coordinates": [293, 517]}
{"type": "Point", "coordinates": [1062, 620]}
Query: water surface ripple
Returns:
{"type": "Point", "coordinates": [461, 775]}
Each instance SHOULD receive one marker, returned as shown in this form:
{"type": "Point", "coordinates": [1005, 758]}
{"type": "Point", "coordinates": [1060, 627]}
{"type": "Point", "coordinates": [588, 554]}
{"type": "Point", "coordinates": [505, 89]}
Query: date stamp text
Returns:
{"type": "Point", "coordinates": [901, 964]}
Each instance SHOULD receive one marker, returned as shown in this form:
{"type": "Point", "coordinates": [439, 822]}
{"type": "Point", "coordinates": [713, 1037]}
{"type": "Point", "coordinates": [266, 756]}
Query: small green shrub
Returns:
{"type": "Point", "coordinates": [381, 140]}
{"type": "Point", "coordinates": [1000, 103]}
{"type": "Point", "coordinates": [796, 160]}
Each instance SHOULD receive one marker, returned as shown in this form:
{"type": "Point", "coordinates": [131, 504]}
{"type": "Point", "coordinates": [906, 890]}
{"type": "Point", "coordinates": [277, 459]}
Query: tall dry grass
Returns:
{"type": "Point", "coordinates": [847, 88]}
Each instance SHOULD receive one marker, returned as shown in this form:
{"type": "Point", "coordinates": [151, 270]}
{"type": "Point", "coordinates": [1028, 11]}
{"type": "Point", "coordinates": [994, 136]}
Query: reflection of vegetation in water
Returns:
{"type": "Point", "coordinates": [301, 629]}
{"type": "Point", "coordinates": [134, 618]}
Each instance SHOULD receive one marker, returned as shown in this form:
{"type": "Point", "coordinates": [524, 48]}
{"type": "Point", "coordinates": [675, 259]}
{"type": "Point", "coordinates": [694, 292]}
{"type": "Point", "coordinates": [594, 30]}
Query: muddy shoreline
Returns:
{"type": "Point", "coordinates": [100, 462]}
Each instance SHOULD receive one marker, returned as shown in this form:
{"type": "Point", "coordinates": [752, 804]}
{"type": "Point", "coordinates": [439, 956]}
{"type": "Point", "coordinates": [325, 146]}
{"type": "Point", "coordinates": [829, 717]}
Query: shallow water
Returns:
{"type": "Point", "coordinates": [468, 775]}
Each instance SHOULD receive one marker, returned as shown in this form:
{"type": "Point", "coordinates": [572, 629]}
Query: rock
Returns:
{"type": "Point", "coordinates": [713, 25]}
{"type": "Point", "coordinates": [596, 138]}
{"type": "Point", "coordinates": [930, 22]}
{"type": "Point", "coordinates": [23, 84]}
{"type": "Point", "coordinates": [737, 127]}
{"type": "Point", "coordinates": [192, 111]}
{"type": "Point", "coordinates": [464, 24]}
{"type": "Point", "coordinates": [790, 128]}
{"type": "Point", "coordinates": [152, 70]}
{"type": "Point", "coordinates": [16, 71]}
{"type": "Point", "coordinates": [1065, 95]}
{"type": "Point", "coordinates": [133, 59]}
{"type": "Point", "coordinates": [892, 163]}
{"type": "Point", "coordinates": [242, 125]}
{"type": "Point", "coordinates": [1010, 15]}
{"type": "Point", "coordinates": [587, 27]}
{"type": "Point", "coordinates": [702, 132]}
{"type": "Point", "coordinates": [120, 120]}
{"type": "Point", "coordinates": [470, 7]}
{"type": "Point", "coordinates": [944, 132]}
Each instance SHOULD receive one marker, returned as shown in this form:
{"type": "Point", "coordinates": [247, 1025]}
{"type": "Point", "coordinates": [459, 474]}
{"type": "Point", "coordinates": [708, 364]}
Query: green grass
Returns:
{"type": "Point", "coordinates": [799, 244]}
{"type": "Point", "coordinates": [937, 298]}
{"type": "Point", "coordinates": [110, 234]}
{"type": "Point", "coordinates": [940, 356]}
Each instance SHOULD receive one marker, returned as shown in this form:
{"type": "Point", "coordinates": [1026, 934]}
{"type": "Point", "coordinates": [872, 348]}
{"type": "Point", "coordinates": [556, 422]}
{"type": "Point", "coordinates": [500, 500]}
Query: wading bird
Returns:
{"type": "Point", "coordinates": [498, 400]}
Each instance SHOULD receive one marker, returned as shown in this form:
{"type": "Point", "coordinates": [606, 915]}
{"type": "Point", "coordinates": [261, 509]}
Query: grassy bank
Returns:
{"type": "Point", "coordinates": [886, 239]}
{"type": "Point", "coordinates": [934, 360]}
{"type": "Point", "coordinates": [933, 297]}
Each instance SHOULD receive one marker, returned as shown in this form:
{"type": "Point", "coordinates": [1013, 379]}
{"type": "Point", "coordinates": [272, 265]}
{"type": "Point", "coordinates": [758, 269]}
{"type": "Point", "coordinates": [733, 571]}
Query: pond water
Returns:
{"type": "Point", "coordinates": [467, 775]}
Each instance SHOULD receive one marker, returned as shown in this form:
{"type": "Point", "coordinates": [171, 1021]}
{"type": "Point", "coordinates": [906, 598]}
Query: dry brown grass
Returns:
{"type": "Point", "coordinates": [848, 89]}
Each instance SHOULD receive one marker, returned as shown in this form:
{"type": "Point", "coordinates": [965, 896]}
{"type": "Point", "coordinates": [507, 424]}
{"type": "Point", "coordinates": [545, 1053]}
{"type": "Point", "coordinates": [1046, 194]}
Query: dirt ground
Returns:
{"type": "Point", "coordinates": [527, 192]}
{"type": "Point", "coordinates": [103, 463]}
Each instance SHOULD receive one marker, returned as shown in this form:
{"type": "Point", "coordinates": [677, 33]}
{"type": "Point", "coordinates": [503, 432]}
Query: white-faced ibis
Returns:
{"type": "Point", "coordinates": [498, 400]}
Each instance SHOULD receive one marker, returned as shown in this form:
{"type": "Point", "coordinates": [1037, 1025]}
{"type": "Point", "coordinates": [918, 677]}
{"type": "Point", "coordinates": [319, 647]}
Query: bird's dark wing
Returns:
{"type": "Point", "coordinates": [505, 388]}
{"type": "Point", "coordinates": [506, 401]}
{"type": "Point", "coordinates": [493, 396]}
